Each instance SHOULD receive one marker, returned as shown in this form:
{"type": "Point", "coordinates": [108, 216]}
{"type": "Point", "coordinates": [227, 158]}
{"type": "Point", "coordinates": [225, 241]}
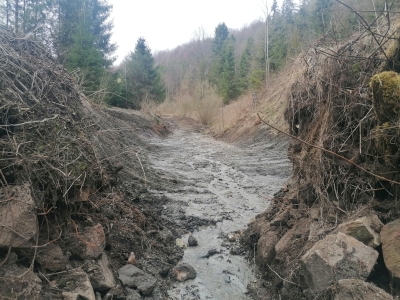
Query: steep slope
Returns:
{"type": "Point", "coordinates": [343, 118]}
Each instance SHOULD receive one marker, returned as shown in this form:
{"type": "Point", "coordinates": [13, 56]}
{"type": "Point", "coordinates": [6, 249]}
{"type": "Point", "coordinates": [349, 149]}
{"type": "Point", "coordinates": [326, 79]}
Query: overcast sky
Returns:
{"type": "Point", "coordinates": [166, 24]}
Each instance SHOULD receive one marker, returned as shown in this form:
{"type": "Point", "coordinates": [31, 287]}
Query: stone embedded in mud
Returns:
{"type": "Point", "coordinates": [95, 241]}
{"type": "Point", "coordinates": [101, 276]}
{"type": "Point", "coordinates": [365, 229]}
{"type": "Point", "coordinates": [192, 241]}
{"type": "Point", "coordinates": [52, 257]}
{"type": "Point", "coordinates": [280, 219]}
{"type": "Point", "coordinates": [89, 244]}
{"type": "Point", "coordinates": [183, 272]}
{"type": "Point", "coordinates": [132, 259]}
{"type": "Point", "coordinates": [118, 293]}
{"type": "Point", "coordinates": [349, 289]}
{"type": "Point", "coordinates": [16, 280]}
{"type": "Point", "coordinates": [18, 220]}
{"type": "Point", "coordinates": [232, 237]}
{"type": "Point", "coordinates": [134, 277]}
{"type": "Point", "coordinates": [390, 236]}
{"type": "Point", "coordinates": [266, 246]}
{"type": "Point", "coordinates": [180, 243]}
{"type": "Point", "coordinates": [336, 257]}
{"type": "Point", "coordinates": [75, 284]}
{"type": "Point", "coordinates": [285, 244]}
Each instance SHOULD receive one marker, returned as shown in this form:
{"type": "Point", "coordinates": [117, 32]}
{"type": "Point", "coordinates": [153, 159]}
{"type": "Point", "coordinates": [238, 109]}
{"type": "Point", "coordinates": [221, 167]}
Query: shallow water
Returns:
{"type": "Point", "coordinates": [226, 184]}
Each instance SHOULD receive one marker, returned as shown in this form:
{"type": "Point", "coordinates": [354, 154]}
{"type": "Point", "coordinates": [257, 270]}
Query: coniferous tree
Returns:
{"type": "Point", "coordinates": [274, 8]}
{"type": "Point", "coordinates": [228, 85]}
{"type": "Point", "coordinates": [321, 14]}
{"type": "Point", "coordinates": [83, 40]}
{"type": "Point", "coordinates": [245, 64]}
{"type": "Point", "coordinates": [288, 10]}
{"type": "Point", "coordinates": [221, 34]}
{"type": "Point", "coordinates": [143, 79]}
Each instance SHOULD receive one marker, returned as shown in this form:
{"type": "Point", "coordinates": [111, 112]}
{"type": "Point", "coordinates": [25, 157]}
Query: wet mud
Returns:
{"type": "Point", "coordinates": [215, 189]}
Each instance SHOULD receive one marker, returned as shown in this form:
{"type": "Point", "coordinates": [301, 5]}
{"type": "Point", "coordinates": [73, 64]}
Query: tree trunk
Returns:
{"type": "Point", "coordinates": [266, 42]}
{"type": "Point", "coordinates": [16, 15]}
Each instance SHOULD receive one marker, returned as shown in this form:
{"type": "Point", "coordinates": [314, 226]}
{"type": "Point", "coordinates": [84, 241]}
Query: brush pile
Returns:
{"type": "Point", "coordinates": [343, 114]}
{"type": "Point", "coordinates": [345, 104]}
{"type": "Point", "coordinates": [42, 126]}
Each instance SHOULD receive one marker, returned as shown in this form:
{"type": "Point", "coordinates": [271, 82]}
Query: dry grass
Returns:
{"type": "Point", "coordinates": [204, 105]}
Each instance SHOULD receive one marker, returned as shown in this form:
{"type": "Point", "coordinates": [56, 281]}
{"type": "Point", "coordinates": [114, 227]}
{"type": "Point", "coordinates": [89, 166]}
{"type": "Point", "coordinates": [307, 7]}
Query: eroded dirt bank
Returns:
{"type": "Point", "coordinates": [215, 190]}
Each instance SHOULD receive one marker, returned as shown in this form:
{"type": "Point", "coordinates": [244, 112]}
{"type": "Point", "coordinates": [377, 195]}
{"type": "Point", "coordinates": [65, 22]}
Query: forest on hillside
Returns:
{"type": "Point", "coordinates": [223, 67]}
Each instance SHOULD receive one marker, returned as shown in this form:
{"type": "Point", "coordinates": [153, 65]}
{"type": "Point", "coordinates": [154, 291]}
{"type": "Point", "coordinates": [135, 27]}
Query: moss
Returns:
{"type": "Point", "coordinates": [385, 88]}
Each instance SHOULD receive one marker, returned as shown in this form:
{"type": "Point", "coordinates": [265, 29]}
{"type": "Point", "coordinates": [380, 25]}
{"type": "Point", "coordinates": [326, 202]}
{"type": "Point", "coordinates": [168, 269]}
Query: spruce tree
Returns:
{"type": "Point", "coordinates": [83, 39]}
{"type": "Point", "coordinates": [221, 34]}
{"type": "Point", "coordinates": [143, 79]}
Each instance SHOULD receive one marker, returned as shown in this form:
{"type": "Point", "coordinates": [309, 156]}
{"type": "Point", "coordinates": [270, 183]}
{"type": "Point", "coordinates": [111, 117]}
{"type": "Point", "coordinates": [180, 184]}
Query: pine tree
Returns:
{"type": "Point", "coordinates": [228, 85]}
{"type": "Point", "coordinates": [275, 8]}
{"type": "Point", "coordinates": [322, 14]}
{"type": "Point", "coordinates": [221, 34]}
{"type": "Point", "coordinates": [83, 39]}
{"type": "Point", "coordinates": [143, 78]}
{"type": "Point", "coordinates": [288, 10]}
{"type": "Point", "coordinates": [245, 64]}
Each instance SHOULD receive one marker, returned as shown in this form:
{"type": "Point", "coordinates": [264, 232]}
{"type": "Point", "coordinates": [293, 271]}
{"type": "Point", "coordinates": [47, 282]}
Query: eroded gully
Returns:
{"type": "Point", "coordinates": [223, 186]}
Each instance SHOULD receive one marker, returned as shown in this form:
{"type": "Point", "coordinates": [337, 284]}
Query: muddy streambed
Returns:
{"type": "Point", "coordinates": [219, 188]}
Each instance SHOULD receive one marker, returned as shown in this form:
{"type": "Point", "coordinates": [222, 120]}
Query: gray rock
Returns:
{"type": "Point", "coordinates": [118, 293]}
{"type": "Point", "coordinates": [266, 247]}
{"type": "Point", "coordinates": [134, 277]}
{"type": "Point", "coordinates": [336, 257]}
{"type": "Point", "coordinates": [192, 241]}
{"type": "Point", "coordinates": [365, 229]}
{"type": "Point", "coordinates": [350, 289]}
{"type": "Point", "coordinates": [100, 274]}
{"type": "Point", "coordinates": [183, 272]}
{"type": "Point", "coordinates": [76, 285]}
{"type": "Point", "coordinates": [390, 236]}
{"type": "Point", "coordinates": [16, 280]}
{"type": "Point", "coordinates": [52, 258]}
{"type": "Point", "coordinates": [17, 217]}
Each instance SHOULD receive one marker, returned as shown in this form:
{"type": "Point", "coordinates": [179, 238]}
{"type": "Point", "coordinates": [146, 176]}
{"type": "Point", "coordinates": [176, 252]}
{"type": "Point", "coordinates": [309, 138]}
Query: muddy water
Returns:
{"type": "Point", "coordinates": [226, 186]}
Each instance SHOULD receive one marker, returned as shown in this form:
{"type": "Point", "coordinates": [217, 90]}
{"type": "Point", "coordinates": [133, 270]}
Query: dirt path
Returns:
{"type": "Point", "coordinates": [218, 187]}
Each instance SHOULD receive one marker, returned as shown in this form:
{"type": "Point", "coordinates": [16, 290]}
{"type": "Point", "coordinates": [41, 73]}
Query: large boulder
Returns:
{"type": "Point", "coordinates": [350, 289]}
{"type": "Point", "coordinates": [365, 229]}
{"type": "Point", "coordinates": [390, 236]}
{"type": "Point", "coordinates": [336, 257]}
{"type": "Point", "coordinates": [133, 277]}
{"type": "Point", "coordinates": [19, 283]}
{"type": "Point", "coordinates": [17, 217]}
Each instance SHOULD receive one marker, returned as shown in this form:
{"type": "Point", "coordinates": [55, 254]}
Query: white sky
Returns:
{"type": "Point", "coordinates": [166, 24]}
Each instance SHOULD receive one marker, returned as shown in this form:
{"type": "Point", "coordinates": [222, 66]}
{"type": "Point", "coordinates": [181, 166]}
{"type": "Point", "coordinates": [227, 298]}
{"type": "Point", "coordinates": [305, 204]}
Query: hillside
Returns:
{"type": "Point", "coordinates": [343, 122]}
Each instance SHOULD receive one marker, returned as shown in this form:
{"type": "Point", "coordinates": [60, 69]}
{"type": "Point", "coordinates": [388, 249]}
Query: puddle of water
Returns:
{"type": "Point", "coordinates": [229, 185]}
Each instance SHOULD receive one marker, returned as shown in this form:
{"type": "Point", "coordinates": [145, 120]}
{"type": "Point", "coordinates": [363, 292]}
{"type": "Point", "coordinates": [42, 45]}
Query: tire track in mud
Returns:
{"type": "Point", "coordinates": [223, 187]}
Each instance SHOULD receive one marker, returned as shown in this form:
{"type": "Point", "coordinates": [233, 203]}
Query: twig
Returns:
{"type": "Point", "coordinates": [30, 122]}
{"type": "Point", "coordinates": [144, 173]}
{"type": "Point", "coordinates": [330, 152]}
{"type": "Point", "coordinates": [283, 278]}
